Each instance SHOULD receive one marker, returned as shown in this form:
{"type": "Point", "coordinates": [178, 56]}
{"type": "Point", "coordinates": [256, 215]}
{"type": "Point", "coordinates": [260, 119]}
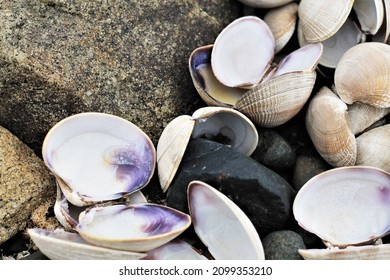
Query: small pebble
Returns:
{"type": "Point", "coordinates": [283, 245]}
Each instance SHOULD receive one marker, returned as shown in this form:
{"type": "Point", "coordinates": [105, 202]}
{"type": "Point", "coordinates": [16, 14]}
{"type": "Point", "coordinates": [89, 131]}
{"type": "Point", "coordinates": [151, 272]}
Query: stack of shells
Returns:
{"type": "Point", "coordinates": [239, 79]}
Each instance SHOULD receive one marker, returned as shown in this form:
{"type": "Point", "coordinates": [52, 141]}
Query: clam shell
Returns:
{"type": "Point", "coordinates": [345, 206]}
{"type": "Point", "coordinates": [373, 148]}
{"type": "Point", "coordinates": [174, 250]}
{"type": "Point", "coordinates": [363, 74]}
{"type": "Point", "coordinates": [265, 3]}
{"type": "Point", "coordinates": [138, 227]}
{"type": "Point", "coordinates": [370, 14]}
{"type": "Point", "coordinates": [212, 91]}
{"type": "Point", "coordinates": [61, 245]}
{"type": "Point", "coordinates": [322, 19]}
{"type": "Point", "coordinates": [383, 33]}
{"type": "Point", "coordinates": [366, 252]}
{"type": "Point", "coordinates": [98, 157]}
{"type": "Point", "coordinates": [327, 126]}
{"type": "Point", "coordinates": [221, 225]}
{"type": "Point", "coordinates": [242, 52]}
{"type": "Point", "coordinates": [282, 22]}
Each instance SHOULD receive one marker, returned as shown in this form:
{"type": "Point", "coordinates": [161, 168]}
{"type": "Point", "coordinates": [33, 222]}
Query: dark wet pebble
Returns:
{"type": "Point", "coordinates": [283, 245]}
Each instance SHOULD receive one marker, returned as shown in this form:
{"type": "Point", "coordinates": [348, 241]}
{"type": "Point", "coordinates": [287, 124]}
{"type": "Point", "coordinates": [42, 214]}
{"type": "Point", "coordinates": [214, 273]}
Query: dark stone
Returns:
{"type": "Point", "coordinates": [283, 245]}
{"type": "Point", "coordinates": [262, 194]}
{"type": "Point", "coordinates": [274, 151]}
{"type": "Point", "coordinates": [38, 255]}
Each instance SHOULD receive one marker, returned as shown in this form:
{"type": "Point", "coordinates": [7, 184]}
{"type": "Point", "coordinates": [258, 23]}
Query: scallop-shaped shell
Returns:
{"type": "Point", "coordinates": [61, 245]}
{"type": "Point", "coordinates": [224, 125]}
{"type": "Point", "coordinates": [373, 148]}
{"type": "Point", "coordinates": [174, 250]}
{"type": "Point", "coordinates": [221, 225]}
{"type": "Point", "coordinates": [345, 206]}
{"type": "Point", "coordinates": [265, 3]}
{"type": "Point", "coordinates": [98, 157]}
{"type": "Point", "coordinates": [322, 19]}
{"type": "Point", "coordinates": [366, 252]}
{"type": "Point", "coordinates": [282, 22]}
{"type": "Point", "coordinates": [363, 74]}
{"type": "Point", "coordinates": [327, 126]}
{"type": "Point", "coordinates": [210, 89]}
{"type": "Point", "coordinates": [138, 227]}
{"type": "Point", "coordinates": [242, 52]}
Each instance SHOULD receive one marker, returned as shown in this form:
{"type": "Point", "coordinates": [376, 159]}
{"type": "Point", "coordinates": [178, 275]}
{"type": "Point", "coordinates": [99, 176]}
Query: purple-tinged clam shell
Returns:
{"type": "Point", "coordinates": [137, 227]}
{"type": "Point", "coordinates": [174, 250]}
{"type": "Point", "coordinates": [98, 157]}
{"type": "Point", "coordinates": [345, 206]}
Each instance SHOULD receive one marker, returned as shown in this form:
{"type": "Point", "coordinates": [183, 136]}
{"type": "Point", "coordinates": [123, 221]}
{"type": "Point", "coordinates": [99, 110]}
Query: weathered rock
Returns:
{"type": "Point", "coordinates": [283, 245]}
{"type": "Point", "coordinates": [262, 194]}
{"type": "Point", "coordinates": [25, 184]}
{"type": "Point", "coordinates": [274, 151]}
{"type": "Point", "coordinates": [128, 58]}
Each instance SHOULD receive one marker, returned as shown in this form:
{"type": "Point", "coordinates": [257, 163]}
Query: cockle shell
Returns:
{"type": "Point", "coordinates": [61, 245]}
{"type": "Point", "coordinates": [221, 225]}
{"type": "Point", "coordinates": [345, 206]}
{"type": "Point", "coordinates": [98, 157]}
{"type": "Point", "coordinates": [137, 227]}
{"type": "Point", "coordinates": [222, 124]}
{"type": "Point", "coordinates": [327, 126]}
{"type": "Point", "coordinates": [363, 74]}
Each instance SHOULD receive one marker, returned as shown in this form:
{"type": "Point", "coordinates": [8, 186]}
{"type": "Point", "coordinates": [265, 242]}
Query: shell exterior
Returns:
{"type": "Point", "coordinates": [242, 52]}
{"type": "Point", "coordinates": [332, 139]}
{"type": "Point", "coordinates": [114, 157]}
{"type": "Point", "coordinates": [361, 116]}
{"type": "Point", "coordinates": [137, 227]}
{"type": "Point", "coordinates": [282, 22]}
{"type": "Point", "coordinates": [224, 125]}
{"type": "Point", "coordinates": [212, 91]}
{"type": "Point", "coordinates": [221, 225]}
{"type": "Point", "coordinates": [174, 250]}
{"type": "Point", "coordinates": [61, 245]}
{"type": "Point", "coordinates": [373, 148]}
{"type": "Point", "coordinates": [363, 74]}
{"type": "Point", "coordinates": [265, 3]}
{"type": "Point", "coordinates": [366, 252]}
{"type": "Point", "coordinates": [320, 20]}
{"type": "Point", "coordinates": [345, 206]}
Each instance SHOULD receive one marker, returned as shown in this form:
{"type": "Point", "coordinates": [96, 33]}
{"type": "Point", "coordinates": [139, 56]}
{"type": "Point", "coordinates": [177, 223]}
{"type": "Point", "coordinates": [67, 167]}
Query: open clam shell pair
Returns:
{"type": "Point", "coordinates": [332, 24]}
{"type": "Point", "coordinates": [236, 72]}
{"type": "Point", "coordinates": [340, 122]}
{"type": "Point", "coordinates": [220, 124]}
{"type": "Point", "coordinates": [347, 207]}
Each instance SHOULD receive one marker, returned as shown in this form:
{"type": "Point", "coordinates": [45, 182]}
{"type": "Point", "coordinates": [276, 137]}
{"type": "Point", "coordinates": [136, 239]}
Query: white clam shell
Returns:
{"type": "Point", "coordinates": [345, 206]}
{"type": "Point", "coordinates": [98, 157]}
{"type": "Point", "coordinates": [61, 245]}
{"type": "Point", "coordinates": [174, 250]}
{"type": "Point", "coordinates": [221, 225]}
{"type": "Point", "coordinates": [137, 227]}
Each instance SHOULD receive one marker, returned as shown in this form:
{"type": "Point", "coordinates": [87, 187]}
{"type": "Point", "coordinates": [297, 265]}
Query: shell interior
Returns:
{"type": "Point", "coordinates": [370, 14]}
{"type": "Point", "coordinates": [221, 225]}
{"type": "Point", "coordinates": [99, 157]}
{"type": "Point", "coordinates": [137, 227]}
{"type": "Point", "coordinates": [174, 250]}
{"type": "Point", "coordinates": [345, 206]}
{"type": "Point", "coordinates": [242, 52]}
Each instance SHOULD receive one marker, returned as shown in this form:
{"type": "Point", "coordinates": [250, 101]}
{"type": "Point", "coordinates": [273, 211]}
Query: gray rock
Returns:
{"type": "Point", "coordinates": [128, 58]}
{"type": "Point", "coordinates": [283, 245]}
{"type": "Point", "coordinates": [306, 167]}
{"type": "Point", "coordinates": [264, 196]}
{"type": "Point", "coordinates": [274, 151]}
{"type": "Point", "coordinates": [25, 184]}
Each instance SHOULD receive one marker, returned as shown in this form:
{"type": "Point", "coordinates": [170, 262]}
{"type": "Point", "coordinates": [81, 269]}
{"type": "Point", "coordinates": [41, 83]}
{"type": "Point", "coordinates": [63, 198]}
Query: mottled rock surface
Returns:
{"type": "Point", "coordinates": [25, 184]}
{"type": "Point", "coordinates": [283, 245]}
{"type": "Point", "coordinates": [264, 196]}
{"type": "Point", "coordinates": [128, 58]}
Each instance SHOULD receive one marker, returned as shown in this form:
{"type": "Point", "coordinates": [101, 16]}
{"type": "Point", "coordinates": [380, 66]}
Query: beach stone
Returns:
{"type": "Point", "coordinates": [127, 58]}
{"type": "Point", "coordinates": [264, 196]}
{"type": "Point", "coordinates": [274, 151]}
{"type": "Point", "coordinates": [25, 185]}
{"type": "Point", "coordinates": [283, 245]}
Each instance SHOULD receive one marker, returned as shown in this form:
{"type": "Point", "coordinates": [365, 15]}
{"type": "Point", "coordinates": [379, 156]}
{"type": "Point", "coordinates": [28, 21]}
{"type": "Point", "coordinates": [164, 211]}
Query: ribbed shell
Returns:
{"type": "Point", "coordinates": [322, 19]}
{"type": "Point", "coordinates": [373, 148]}
{"type": "Point", "coordinates": [278, 100]}
{"type": "Point", "coordinates": [282, 23]}
{"type": "Point", "coordinates": [363, 74]}
{"type": "Point", "coordinates": [265, 3]}
{"type": "Point", "coordinates": [327, 126]}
